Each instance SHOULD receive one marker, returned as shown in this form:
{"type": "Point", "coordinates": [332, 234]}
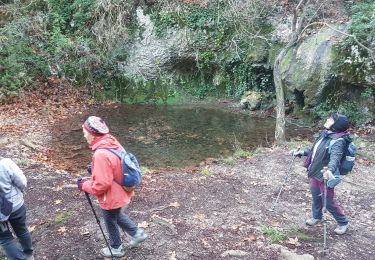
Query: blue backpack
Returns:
{"type": "Point", "coordinates": [5, 208]}
{"type": "Point", "coordinates": [132, 175]}
{"type": "Point", "coordinates": [348, 158]}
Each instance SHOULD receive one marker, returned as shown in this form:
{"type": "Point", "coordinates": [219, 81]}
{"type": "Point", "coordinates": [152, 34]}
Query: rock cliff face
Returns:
{"type": "Point", "coordinates": [307, 68]}
{"type": "Point", "coordinates": [151, 57]}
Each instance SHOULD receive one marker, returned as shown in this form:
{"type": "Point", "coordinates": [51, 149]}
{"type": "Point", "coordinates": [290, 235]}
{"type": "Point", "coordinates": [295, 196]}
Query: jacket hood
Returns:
{"type": "Point", "coordinates": [105, 141]}
{"type": "Point", "coordinates": [341, 123]}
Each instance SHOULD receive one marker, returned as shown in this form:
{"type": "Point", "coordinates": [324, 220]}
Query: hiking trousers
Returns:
{"type": "Point", "coordinates": [317, 192]}
{"type": "Point", "coordinates": [114, 218]}
{"type": "Point", "coordinates": [17, 220]}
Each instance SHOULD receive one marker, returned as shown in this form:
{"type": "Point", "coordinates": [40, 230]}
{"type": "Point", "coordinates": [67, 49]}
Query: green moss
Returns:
{"type": "Point", "coordinates": [306, 237]}
{"type": "Point", "coordinates": [206, 172]}
{"type": "Point", "coordinates": [60, 218]}
{"type": "Point", "coordinates": [23, 162]}
{"type": "Point", "coordinates": [278, 235]}
{"type": "Point", "coordinates": [275, 235]}
{"type": "Point", "coordinates": [273, 51]}
{"type": "Point", "coordinates": [240, 153]}
{"type": "Point", "coordinates": [229, 160]}
{"type": "Point", "coordinates": [286, 61]}
{"type": "Point", "coordinates": [258, 51]}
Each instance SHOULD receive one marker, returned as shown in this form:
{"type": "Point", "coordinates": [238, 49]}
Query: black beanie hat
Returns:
{"type": "Point", "coordinates": [341, 123]}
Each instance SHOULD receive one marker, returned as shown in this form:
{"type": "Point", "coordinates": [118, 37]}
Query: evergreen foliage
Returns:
{"type": "Point", "coordinates": [355, 66]}
{"type": "Point", "coordinates": [84, 41]}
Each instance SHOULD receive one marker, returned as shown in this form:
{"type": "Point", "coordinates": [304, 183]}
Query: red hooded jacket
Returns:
{"type": "Point", "coordinates": [106, 168]}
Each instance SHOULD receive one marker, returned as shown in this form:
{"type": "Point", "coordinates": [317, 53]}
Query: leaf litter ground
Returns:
{"type": "Point", "coordinates": [219, 210]}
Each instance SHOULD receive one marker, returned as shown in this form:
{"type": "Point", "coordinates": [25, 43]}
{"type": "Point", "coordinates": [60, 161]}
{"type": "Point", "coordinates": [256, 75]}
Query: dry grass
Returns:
{"type": "Point", "coordinates": [113, 17]}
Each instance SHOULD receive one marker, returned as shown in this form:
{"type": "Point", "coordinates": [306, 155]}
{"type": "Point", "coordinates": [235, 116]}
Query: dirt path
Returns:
{"type": "Point", "coordinates": [216, 211]}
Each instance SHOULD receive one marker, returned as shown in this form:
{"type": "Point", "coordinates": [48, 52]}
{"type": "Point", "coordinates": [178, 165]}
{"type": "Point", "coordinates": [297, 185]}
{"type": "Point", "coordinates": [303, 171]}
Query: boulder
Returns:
{"type": "Point", "coordinates": [307, 68]}
{"type": "Point", "coordinates": [288, 255]}
{"type": "Point", "coordinates": [251, 100]}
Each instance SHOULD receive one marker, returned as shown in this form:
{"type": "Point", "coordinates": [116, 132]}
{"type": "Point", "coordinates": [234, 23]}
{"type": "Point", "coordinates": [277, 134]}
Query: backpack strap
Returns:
{"type": "Point", "coordinates": [112, 150]}
{"type": "Point", "coordinates": [332, 142]}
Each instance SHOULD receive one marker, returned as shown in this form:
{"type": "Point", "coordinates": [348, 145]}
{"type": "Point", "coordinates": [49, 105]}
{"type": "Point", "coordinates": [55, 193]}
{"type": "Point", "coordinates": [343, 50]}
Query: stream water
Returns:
{"type": "Point", "coordinates": [170, 136]}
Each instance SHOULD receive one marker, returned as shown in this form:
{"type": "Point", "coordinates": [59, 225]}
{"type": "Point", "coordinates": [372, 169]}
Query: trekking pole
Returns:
{"type": "Point", "coordinates": [325, 248]}
{"type": "Point", "coordinates": [98, 221]}
{"type": "Point", "coordinates": [285, 180]}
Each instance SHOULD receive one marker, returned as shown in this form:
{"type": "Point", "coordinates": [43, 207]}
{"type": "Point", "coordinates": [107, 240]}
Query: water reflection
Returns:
{"type": "Point", "coordinates": [162, 136]}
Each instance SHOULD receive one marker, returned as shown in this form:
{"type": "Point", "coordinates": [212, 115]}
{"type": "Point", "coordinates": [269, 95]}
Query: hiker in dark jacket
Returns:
{"type": "Point", "coordinates": [12, 185]}
{"type": "Point", "coordinates": [327, 151]}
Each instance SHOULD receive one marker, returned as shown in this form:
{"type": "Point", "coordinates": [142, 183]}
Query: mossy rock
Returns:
{"type": "Point", "coordinates": [307, 67]}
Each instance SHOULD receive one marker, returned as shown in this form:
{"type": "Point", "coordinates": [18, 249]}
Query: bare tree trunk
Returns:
{"type": "Point", "coordinates": [279, 86]}
{"type": "Point", "coordinates": [280, 97]}
{"type": "Point", "coordinates": [280, 100]}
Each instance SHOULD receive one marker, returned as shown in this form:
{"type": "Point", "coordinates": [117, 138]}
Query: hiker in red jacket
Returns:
{"type": "Point", "coordinates": [106, 174]}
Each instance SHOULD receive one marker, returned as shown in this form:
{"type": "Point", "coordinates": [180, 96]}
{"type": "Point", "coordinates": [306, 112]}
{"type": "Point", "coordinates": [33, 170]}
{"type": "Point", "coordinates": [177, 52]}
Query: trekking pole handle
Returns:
{"type": "Point", "coordinates": [298, 148]}
{"type": "Point", "coordinates": [325, 169]}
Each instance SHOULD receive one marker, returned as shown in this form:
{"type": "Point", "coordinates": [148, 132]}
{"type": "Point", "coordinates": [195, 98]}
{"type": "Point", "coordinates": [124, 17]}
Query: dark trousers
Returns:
{"type": "Point", "coordinates": [317, 192]}
{"type": "Point", "coordinates": [114, 218]}
{"type": "Point", "coordinates": [18, 222]}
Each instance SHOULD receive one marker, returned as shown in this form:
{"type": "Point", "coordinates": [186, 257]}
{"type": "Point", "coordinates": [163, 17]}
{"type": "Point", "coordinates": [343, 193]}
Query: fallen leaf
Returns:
{"type": "Point", "coordinates": [58, 188]}
{"type": "Point", "coordinates": [31, 228]}
{"type": "Point", "coordinates": [143, 224]}
{"type": "Point", "coordinates": [250, 238]}
{"type": "Point", "coordinates": [200, 216]}
{"type": "Point", "coordinates": [275, 223]}
{"type": "Point", "coordinates": [157, 217]}
{"type": "Point", "coordinates": [173, 255]}
{"type": "Point", "coordinates": [293, 241]}
{"type": "Point", "coordinates": [205, 244]}
{"type": "Point", "coordinates": [175, 204]}
{"type": "Point", "coordinates": [62, 230]}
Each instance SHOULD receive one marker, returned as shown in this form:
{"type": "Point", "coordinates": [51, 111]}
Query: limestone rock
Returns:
{"type": "Point", "coordinates": [4, 142]}
{"type": "Point", "coordinates": [234, 253]}
{"type": "Point", "coordinates": [149, 56]}
{"type": "Point", "coordinates": [251, 100]}
{"type": "Point", "coordinates": [307, 68]}
{"type": "Point", "coordinates": [288, 255]}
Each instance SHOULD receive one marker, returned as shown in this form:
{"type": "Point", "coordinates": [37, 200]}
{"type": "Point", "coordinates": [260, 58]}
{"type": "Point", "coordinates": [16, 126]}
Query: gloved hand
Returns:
{"type": "Point", "coordinates": [80, 183]}
{"type": "Point", "coordinates": [332, 180]}
{"type": "Point", "coordinates": [88, 168]}
{"type": "Point", "coordinates": [328, 175]}
{"type": "Point", "coordinates": [297, 153]}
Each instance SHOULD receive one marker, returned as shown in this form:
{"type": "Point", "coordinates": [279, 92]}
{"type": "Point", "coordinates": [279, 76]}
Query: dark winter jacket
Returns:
{"type": "Point", "coordinates": [323, 157]}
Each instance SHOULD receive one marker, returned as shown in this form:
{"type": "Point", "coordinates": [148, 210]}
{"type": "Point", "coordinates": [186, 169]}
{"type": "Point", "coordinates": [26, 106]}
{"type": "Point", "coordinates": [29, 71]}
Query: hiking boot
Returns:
{"type": "Point", "coordinates": [340, 230]}
{"type": "Point", "coordinates": [117, 252]}
{"type": "Point", "coordinates": [312, 221]}
{"type": "Point", "coordinates": [29, 257]}
{"type": "Point", "coordinates": [139, 237]}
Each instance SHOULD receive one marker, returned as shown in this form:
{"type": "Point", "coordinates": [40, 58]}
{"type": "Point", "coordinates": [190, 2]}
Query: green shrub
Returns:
{"type": "Point", "coordinates": [20, 62]}
{"type": "Point", "coordinates": [353, 62]}
{"type": "Point", "coordinates": [275, 235]}
{"type": "Point", "coordinates": [348, 108]}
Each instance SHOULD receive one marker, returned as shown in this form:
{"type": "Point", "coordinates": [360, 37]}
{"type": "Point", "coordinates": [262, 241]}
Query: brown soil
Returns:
{"type": "Point", "coordinates": [219, 210]}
